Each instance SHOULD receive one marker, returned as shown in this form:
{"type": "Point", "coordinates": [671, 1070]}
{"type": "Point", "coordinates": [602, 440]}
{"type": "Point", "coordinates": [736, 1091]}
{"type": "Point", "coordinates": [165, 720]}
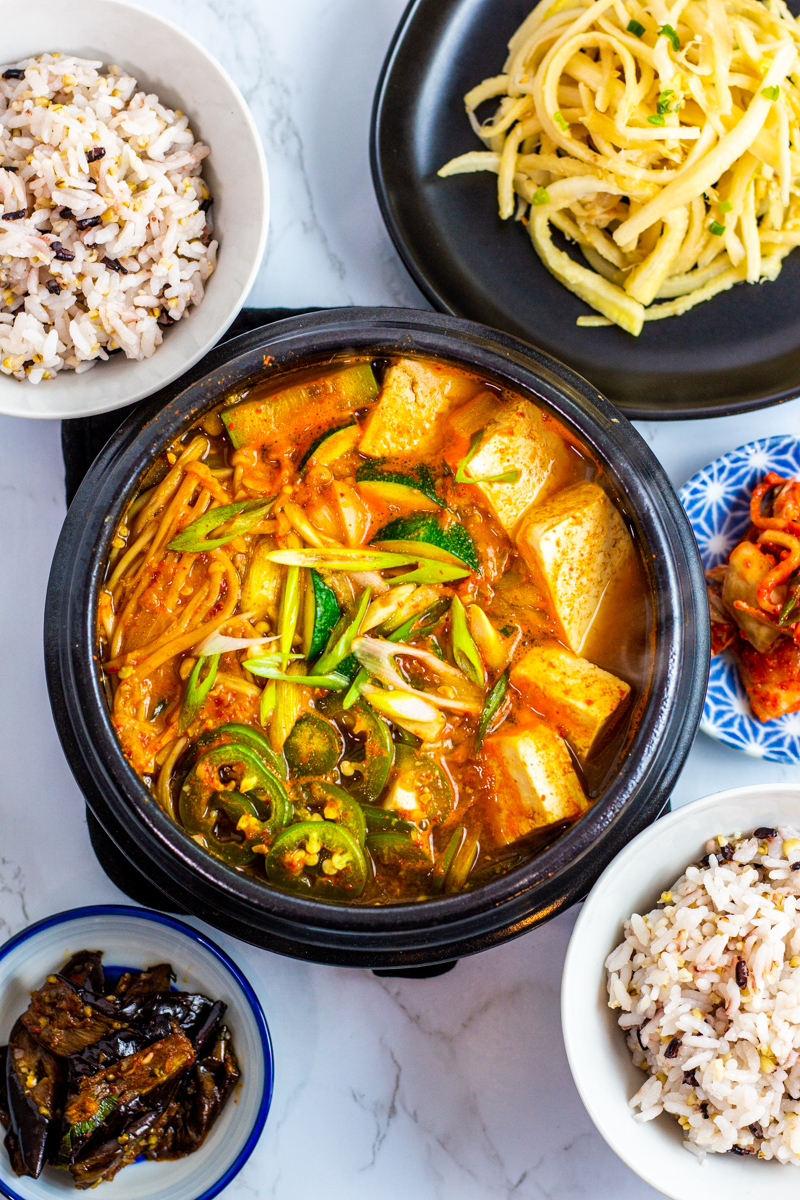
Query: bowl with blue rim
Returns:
{"type": "Point", "coordinates": [135, 939]}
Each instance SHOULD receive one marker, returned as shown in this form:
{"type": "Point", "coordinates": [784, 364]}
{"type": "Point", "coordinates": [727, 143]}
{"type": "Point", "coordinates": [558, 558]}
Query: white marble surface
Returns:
{"type": "Point", "coordinates": [449, 1089]}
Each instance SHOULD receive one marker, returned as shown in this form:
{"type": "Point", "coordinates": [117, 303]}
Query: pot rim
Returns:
{"type": "Point", "coordinates": [644, 493]}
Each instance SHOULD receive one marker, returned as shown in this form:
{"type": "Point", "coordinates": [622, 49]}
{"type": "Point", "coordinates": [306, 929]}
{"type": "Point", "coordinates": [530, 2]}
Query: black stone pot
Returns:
{"type": "Point", "coordinates": [398, 935]}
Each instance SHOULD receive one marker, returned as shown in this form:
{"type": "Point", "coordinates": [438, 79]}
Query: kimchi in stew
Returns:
{"type": "Point", "coordinates": [375, 632]}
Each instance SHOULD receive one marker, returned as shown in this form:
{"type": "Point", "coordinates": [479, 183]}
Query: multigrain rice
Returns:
{"type": "Point", "coordinates": [105, 238]}
{"type": "Point", "coordinates": [708, 985]}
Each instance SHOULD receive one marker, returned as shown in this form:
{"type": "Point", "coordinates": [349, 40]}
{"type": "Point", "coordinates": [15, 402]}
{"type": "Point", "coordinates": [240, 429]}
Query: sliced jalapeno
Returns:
{"type": "Point", "coordinates": [313, 746]}
{"type": "Point", "coordinates": [395, 851]}
{"type": "Point", "coordinates": [235, 854]}
{"type": "Point", "coordinates": [318, 859]}
{"type": "Point", "coordinates": [245, 735]}
{"type": "Point", "coordinates": [255, 815]}
{"type": "Point", "coordinates": [383, 820]}
{"type": "Point", "coordinates": [372, 760]}
{"type": "Point", "coordinates": [215, 772]}
{"type": "Point", "coordinates": [331, 803]}
{"type": "Point", "coordinates": [421, 790]}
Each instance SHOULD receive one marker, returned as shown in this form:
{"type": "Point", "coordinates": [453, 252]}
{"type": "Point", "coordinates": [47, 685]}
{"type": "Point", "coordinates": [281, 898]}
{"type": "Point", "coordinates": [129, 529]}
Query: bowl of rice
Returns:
{"type": "Point", "coordinates": [134, 205]}
{"type": "Point", "coordinates": [681, 998]}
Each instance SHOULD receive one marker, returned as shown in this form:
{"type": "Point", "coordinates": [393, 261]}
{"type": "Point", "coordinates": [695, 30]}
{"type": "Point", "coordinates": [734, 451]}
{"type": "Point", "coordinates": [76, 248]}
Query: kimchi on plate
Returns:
{"type": "Point", "coordinates": [754, 599]}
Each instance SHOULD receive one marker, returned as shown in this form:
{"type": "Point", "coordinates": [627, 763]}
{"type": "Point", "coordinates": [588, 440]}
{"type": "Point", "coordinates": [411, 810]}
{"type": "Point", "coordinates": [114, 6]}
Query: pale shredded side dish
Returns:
{"type": "Point", "coordinates": [664, 141]}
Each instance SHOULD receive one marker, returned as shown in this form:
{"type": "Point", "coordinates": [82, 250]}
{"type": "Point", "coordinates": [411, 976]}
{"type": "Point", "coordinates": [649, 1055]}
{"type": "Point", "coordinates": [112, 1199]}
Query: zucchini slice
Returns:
{"type": "Point", "coordinates": [416, 492]}
{"type": "Point", "coordinates": [255, 423]}
{"type": "Point", "coordinates": [320, 616]}
{"type": "Point", "coordinates": [456, 541]}
{"type": "Point", "coordinates": [331, 444]}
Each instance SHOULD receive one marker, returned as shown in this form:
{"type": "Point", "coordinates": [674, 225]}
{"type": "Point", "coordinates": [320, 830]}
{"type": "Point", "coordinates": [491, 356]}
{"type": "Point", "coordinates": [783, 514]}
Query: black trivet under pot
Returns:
{"type": "Point", "coordinates": [82, 439]}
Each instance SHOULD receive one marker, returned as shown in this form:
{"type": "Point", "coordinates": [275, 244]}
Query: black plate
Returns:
{"type": "Point", "coordinates": [737, 352]}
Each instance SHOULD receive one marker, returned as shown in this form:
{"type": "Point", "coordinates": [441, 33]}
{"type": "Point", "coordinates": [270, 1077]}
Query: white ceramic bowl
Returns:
{"type": "Point", "coordinates": [138, 937]}
{"type": "Point", "coordinates": [598, 1056]}
{"type": "Point", "coordinates": [169, 62]}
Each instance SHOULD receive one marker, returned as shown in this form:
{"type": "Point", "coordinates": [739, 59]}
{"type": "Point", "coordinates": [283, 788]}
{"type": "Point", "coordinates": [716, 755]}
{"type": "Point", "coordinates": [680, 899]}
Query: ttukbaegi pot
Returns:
{"type": "Point", "coordinates": [396, 935]}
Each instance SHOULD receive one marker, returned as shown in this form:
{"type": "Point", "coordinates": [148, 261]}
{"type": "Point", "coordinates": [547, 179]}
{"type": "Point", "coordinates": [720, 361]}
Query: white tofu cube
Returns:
{"type": "Point", "coordinates": [525, 439]}
{"type": "Point", "coordinates": [581, 699]}
{"type": "Point", "coordinates": [534, 782]}
{"type": "Point", "coordinates": [409, 416]}
{"type": "Point", "coordinates": [573, 544]}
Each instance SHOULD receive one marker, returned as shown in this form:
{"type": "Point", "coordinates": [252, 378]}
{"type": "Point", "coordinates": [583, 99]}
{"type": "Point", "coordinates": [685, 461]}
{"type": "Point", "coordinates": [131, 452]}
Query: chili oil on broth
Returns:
{"type": "Point", "coordinates": [365, 456]}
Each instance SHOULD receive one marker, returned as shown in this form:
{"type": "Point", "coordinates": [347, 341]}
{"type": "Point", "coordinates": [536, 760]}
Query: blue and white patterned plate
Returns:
{"type": "Point", "coordinates": [717, 503]}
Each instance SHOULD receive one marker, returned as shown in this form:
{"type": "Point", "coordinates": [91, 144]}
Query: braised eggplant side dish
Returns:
{"type": "Point", "coordinates": [372, 632]}
{"type": "Point", "coordinates": [103, 1069]}
{"type": "Point", "coordinates": [754, 600]}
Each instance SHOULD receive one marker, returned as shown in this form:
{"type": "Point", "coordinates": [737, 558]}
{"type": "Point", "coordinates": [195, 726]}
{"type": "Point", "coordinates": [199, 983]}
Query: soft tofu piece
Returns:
{"type": "Point", "coordinates": [534, 782]}
{"type": "Point", "coordinates": [573, 544]}
{"type": "Point", "coordinates": [522, 438]}
{"type": "Point", "coordinates": [409, 416]}
{"type": "Point", "coordinates": [581, 699]}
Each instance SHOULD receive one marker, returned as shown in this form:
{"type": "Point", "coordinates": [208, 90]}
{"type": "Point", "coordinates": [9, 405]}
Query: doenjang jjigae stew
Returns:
{"type": "Point", "coordinates": [106, 1067]}
{"type": "Point", "coordinates": [371, 633]}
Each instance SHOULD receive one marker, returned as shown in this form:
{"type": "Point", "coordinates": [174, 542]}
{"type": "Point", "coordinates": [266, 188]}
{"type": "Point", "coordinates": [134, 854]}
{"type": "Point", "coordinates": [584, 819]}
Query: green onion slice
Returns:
{"type": "Point", "coordinates": [424, 569]}
{"type": "Point", "coordinates": [267, 669]}
{"type": "Point", "coordinates": [561, 120]}
{"type": "Point", "coordinates": [668, 32]}
{"type": "Point", "coordinates": [239, 517]}
{"type": "Point", "coordinates": [635, 28]}
{"type": "Point", "coordinates": [504, 477]}
{"type": "Point", "coordinates": [492, 703]}
{"type": "Point", "coordinates": [465, 652]}
{"type": "Point", "coordinates": [540, 196]}
{"type": "Point", "coordinates": [657, 119]}
{"type": "Point", "coordinates": [725, 206]}
{"type": "Point", "coordinates": [717, 229]}
{"type": "Point", "coordinates": [771, 93]}
{"type": "Point", "coordinates": [791, 602]}
{"type": "Point", "coordinates": [338, 651]}
{"type": "Point", "coordinates": [197, 690]}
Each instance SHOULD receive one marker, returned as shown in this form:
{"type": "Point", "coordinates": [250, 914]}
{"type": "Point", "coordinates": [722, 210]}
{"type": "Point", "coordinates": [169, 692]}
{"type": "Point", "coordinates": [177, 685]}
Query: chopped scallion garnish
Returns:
{"type": "Point", "coordinates": [725, 206]}
{"type": "Point", "coordinates": [657, 119]}
{"type": "Point", "coordinates": [635, 28]}
{"type": "Point", "coordinates": [771, 93]}
{"type": "Point", "coordinates": [197, 690]}
{"type": "Point", "coordinates": [668, 32]}
{"type": "Point", "coordinates": [540, 196]}
{"type": "Point", "coordinates": [663, 103]}
{"type": "Point", "coordinates": [560, 120]}
{"type": "Point", "coordinates": [490, 706]}
{"type": "Point", "coordinates": [717, 229]}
